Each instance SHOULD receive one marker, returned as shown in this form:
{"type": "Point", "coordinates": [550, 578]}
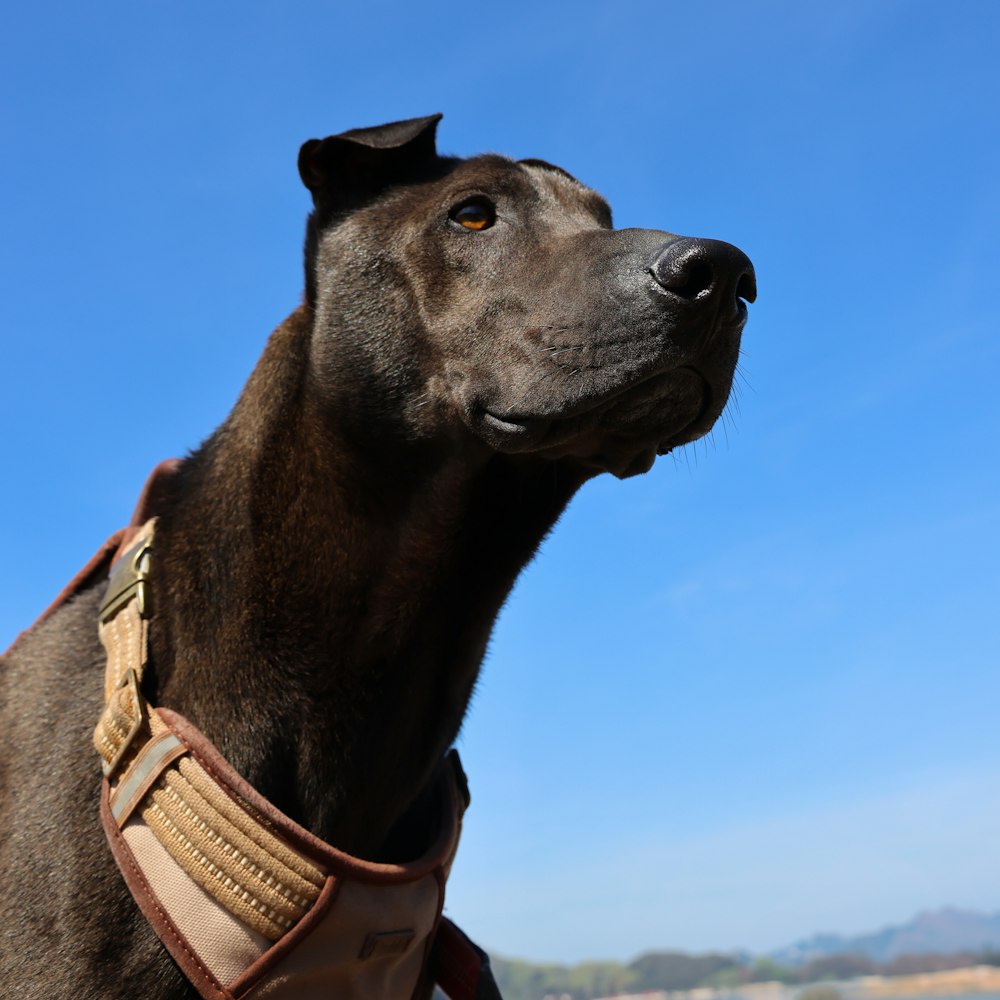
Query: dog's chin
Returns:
{"type": "Point", "coordinates": [621, 433]}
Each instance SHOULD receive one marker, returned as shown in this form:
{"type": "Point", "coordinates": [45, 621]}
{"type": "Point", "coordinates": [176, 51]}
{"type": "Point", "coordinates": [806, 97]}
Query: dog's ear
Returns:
{"type": "Point", "coordinates": [343, 171]}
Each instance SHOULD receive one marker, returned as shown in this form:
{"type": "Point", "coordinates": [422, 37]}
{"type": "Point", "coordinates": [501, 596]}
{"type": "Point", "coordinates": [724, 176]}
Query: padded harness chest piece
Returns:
{"type": "Point", "coordinates": [248, 903]}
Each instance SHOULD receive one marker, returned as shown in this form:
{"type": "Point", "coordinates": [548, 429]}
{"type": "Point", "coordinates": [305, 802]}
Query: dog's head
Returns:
{"type": "Point", "coordinates": [493, 300]}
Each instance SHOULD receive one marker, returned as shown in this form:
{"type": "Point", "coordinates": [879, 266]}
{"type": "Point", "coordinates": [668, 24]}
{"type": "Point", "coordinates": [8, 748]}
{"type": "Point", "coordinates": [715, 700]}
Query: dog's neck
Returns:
{"type": "Point", "coordinates": [322, 612]}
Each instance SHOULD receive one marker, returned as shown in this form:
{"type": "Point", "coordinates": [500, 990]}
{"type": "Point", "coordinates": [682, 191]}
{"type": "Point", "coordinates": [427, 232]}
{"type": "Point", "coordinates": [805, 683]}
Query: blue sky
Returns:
{"type": "Point", "coordinates": [748, 696]}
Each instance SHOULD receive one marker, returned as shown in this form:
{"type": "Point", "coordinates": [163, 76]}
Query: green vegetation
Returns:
{"type": "Point", "coordinates": [677, 970]}
{"type": "Point", "coordinates": [662, 970]}
{"type": "Point", "coordinates": [767, 970]}
{"type": "Point", "coordinates": [820, 993]}
{"type": "Point", "coordinates": [524, 981]}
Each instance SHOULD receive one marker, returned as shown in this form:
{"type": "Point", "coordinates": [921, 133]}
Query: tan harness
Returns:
{"type": "Point", "coordinates": [248, 903]}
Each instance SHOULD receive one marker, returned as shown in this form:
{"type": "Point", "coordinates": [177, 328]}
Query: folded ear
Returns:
{"type": "Point", "coordinates": [346, 170]}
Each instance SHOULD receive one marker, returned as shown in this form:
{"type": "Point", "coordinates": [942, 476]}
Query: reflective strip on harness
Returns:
{"type": "Point", "coordinates": [153, 758]}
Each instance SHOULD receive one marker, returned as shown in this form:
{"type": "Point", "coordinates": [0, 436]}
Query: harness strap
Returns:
{"type": "Point", "coordinates": [461, 968]}
{"type": "Point", "coordinates": [124, 633]}
{"type": "Point", "coordinates": [225, 839]}
{"type": "Point", "coordinates": [229, 853]}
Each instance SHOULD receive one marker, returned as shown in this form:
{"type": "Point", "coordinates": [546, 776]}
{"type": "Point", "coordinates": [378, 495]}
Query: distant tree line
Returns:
{"type": "Point", "coordinates": [677, 970]}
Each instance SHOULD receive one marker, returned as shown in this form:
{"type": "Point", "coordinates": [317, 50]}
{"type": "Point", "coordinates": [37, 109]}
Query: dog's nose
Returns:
{"type": "Point", "coordinates": [705, 270]}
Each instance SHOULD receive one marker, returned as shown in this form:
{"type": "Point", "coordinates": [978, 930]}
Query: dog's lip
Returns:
{"type": "Point", "coordinates": [523, 431]}
{"type": "Point", "coordinates": [515, 422]}
{"type": "Point", "coordinates": [510, 423]}
{"type": "Point", "coordinates": [520, 422]}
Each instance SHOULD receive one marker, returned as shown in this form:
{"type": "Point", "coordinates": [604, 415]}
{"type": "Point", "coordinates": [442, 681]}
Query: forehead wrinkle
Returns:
{"type": "Point", "coordinates": [491, 172]}
{"type": "Point", "coordinates": [569, 193]}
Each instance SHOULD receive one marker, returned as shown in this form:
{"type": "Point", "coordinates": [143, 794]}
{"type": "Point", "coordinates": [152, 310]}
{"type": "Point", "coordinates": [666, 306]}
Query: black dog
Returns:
{"type": "Point", "coordinates": [476, 342]}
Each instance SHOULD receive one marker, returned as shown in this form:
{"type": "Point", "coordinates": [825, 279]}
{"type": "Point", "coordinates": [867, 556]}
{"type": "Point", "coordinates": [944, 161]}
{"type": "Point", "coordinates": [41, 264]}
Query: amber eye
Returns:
{"type": "Point", "coordinates": [477, 214]}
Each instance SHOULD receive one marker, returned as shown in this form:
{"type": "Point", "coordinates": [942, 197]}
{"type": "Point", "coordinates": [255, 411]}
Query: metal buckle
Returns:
{"type": "Point", "coordinates": [129, 578]}
{"type": "Point", "coordinates": [131, 681]}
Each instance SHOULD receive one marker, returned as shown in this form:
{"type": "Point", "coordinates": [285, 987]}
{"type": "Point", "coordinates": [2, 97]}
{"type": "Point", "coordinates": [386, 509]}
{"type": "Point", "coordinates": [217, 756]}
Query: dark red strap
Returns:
{"type": "Point", "coordinates": [461, 968]}
{"type": "Point", "coordinates": [155, 490]}
{"type": "Point", "coordinates": [96, 568]}
{"type": "Point", "coordinates": [149, 501]}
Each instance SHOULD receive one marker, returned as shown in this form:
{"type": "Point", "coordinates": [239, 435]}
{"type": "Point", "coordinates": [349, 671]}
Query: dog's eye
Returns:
{"type": "Point", "coordinates": [476, 214]}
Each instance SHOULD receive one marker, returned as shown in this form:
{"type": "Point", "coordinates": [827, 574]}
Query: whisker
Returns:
{"type": "Point", "coordinates": [725, 427]}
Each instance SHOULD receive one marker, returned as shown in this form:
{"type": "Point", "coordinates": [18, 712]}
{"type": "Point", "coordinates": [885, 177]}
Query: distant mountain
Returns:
{"type": "Point", "coordinates": [945, 930]}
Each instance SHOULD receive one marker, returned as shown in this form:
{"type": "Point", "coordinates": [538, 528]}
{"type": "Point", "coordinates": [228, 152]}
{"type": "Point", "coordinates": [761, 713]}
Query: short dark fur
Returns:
{"type": "Point", "coordinates": [330, 562]}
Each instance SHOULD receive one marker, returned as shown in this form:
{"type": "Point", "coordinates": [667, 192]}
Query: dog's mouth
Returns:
{"type": "Point", "coordinates": [621, 433]}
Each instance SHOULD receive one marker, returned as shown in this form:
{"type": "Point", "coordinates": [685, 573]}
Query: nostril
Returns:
{"type": "Point", "coordinates": [690, 279]}
{"type": "Point", "coordinates": [682, 268]}
{"type": "Point", "coordinates": [746, 287]}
